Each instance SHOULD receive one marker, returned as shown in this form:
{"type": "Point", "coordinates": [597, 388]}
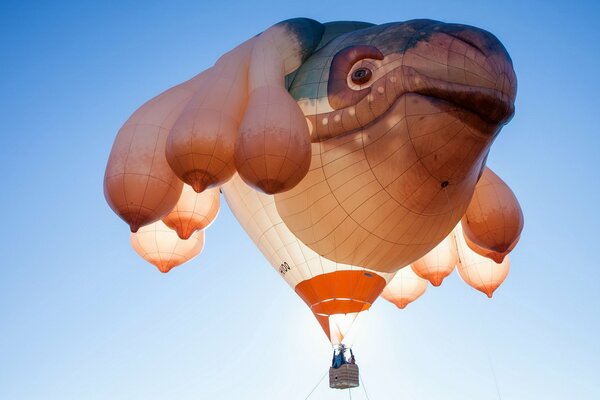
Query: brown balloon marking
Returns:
{"type": "Point", "coordinates": [496, 256]}
{"type": "Point", "coordinates": [338, 92]}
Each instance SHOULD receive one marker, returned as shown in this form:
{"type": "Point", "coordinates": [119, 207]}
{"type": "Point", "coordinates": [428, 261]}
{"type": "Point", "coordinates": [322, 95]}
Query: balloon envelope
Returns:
{"type": "Point", "coordinates": [161, 246]}
{"type": "Point", "coordinates": [438, 263]}
{"type": "Point", "coordinates": [193, 212]}
{"type": "Point", "coordinates": [139, 184]}
{"type": "Point", "coordinates": [478, 271]}
{"type": "Point", "coordinates": [200, 147]}
{"type": "Point", "coordinates": [404, 288]}
{"type": "Point", "coordinates": [493, 221]}
{"type": "Point", "coordinates": [336, 293]}
{"type": "Point", "coordinates": [273, 149]}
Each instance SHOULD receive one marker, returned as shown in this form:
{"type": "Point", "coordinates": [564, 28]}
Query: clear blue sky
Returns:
{"type": "Point", "coordinates": [83, 317]}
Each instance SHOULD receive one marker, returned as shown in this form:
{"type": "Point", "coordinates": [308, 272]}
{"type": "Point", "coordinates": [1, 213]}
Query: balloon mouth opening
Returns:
{"type": "Point", "coordinates": [481, 107]}
{"type": "Point", "coordinates": [492, 106]}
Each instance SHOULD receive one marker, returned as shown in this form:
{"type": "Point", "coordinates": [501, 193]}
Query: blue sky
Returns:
{"type": "Point", "coordinates": [83, 317]}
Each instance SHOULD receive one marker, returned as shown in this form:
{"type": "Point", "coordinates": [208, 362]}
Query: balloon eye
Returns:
{"type": "Point", "coordinates": [361, 75]}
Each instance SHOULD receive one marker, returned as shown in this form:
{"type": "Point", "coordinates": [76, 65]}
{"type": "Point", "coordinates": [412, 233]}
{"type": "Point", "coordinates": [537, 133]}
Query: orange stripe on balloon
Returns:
{"type": "Point", "coordinates": [341, 292]}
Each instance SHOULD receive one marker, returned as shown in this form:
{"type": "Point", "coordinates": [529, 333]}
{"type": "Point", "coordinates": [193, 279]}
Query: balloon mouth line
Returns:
{"type": "Point", "coordinates": [490, 105]}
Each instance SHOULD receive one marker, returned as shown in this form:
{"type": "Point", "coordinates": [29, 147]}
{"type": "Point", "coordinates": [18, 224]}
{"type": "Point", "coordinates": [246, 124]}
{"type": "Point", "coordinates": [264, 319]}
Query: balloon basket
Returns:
{"type": "Point", "coordinates": [344, 377]}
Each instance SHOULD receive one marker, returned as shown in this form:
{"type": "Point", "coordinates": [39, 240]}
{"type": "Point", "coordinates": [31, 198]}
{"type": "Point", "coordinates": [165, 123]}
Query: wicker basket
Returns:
{"type": "Point", "coordinates": [343, 377]}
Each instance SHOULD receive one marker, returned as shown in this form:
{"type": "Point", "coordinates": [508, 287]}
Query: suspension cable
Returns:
{"type": "Point", "coordinates": [494, 375]}
{"type": "Point", "coordinates": [317, 385]}
{"type": "Point", "coordinates": [362, 383]}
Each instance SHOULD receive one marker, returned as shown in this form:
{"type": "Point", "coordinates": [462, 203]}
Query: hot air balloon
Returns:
{"type": "Point", "coordinates": [193, 212]}
{"type": "Point", "coordinates": [346, 150]}
{"type": "Point", "coordinates": [404, 288]}
{"type": "Point", "coordinates": [335, 293]}
{"type": "Point", "coordinates": [478, 271]}
{"type": "Point", "coordinates": [493, 222]}
{"type": "Point", "coordinates": [438, 263]}
{"type": "Point", "coordinates": [161, 246]}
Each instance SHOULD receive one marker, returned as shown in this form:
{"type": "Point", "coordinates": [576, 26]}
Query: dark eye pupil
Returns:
{"type": "Point", "coordinates": [361, 75]}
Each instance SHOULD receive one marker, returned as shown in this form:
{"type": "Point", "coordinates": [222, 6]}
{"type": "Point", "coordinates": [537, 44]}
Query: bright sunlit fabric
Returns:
{"type": "Point", "coordinates": [161, 246]}
{"type": "Point", "coordinates": [404, 288]}
{"type": "Point", "coordinates": [193, 212]}
{"type": "Point", "coordinates": [478, 271]}
{"type": "Point", "coordinates": [438, 263]}
{"type": "Point", "coordinates": [335, 292]}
